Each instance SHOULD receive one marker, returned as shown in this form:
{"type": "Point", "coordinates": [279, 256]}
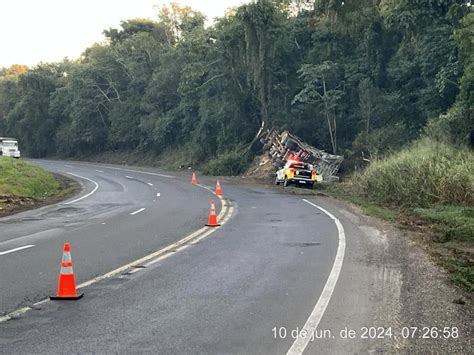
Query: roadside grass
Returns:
{"type": "Point", "coordinates": [427, 173]}
{"type": "Point", "coordinates": [453, 222]}
{"type": "Point", "coordinates": [18, 178]}
{"type": "Point", "coordinates": [453, 228]}
{"type": "Point", "coordinates": [344, 192]}
{"type": "Point", "coordinates": [461, 271]}
{"type": "Point", "coordinates": [430, 187]}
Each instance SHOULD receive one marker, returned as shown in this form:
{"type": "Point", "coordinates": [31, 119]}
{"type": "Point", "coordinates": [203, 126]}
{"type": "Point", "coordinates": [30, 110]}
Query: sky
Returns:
{"type": "Point", "coordinates": [33, 31]}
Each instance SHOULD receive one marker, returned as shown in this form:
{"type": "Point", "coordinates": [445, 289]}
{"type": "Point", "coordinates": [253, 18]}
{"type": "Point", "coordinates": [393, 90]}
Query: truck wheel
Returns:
{"type": "Point", "coordinates": [310, 185]}
{"type": "Point", "coordinates": [286, 182]}
{"type": "Point", "coordinates": [276, 181]}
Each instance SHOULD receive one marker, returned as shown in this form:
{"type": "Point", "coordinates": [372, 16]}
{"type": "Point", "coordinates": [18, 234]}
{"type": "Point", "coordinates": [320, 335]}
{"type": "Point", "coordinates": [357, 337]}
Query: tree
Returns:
{"type": "Point", "coordinates": [322, 87]}
{"type": "Point", "coordinates": [261, 21]}
{"type": "Point", "coordinates": [348, 76]}
{"type": "Point", "coordinates": [29, 118]}
{"type": "Point", "coordinates": [463, 37]}
{"type": "Point", "coordinates": [179, 20]}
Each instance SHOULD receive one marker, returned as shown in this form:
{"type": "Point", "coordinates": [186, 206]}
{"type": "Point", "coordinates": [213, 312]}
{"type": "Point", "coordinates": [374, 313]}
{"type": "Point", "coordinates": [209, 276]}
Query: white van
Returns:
{"type": "Point", "coordinates": [9, 147]}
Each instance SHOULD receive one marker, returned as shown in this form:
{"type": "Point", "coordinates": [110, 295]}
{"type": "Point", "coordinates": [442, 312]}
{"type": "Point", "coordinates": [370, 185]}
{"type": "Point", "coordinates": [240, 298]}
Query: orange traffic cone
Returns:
{"type": "Point", "coordinates": [194, 180]}
{"type": "Point", "coordinates": [67, 281]}
{"type": "Point", "coordinates": [218, 189]}
{"type": "Point", "coordinates": [212, 220]}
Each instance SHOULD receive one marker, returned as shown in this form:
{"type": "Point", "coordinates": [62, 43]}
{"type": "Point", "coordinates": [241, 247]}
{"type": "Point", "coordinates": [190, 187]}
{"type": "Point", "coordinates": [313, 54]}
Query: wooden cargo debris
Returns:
{"type": "Point", "coordinates": [281, 146]}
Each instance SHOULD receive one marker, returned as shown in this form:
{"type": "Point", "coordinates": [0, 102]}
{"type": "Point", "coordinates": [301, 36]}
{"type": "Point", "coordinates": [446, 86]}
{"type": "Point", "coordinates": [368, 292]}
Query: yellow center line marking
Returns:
{"type": "Point", "coordinates": [191, 239]}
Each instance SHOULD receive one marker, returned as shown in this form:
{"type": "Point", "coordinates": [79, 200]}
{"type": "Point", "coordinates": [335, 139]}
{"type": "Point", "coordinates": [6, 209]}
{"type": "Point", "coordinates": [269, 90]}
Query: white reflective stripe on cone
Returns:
{"type": "Point", "coordinates": [67, 256]}
{"type": "Point", "coordinates": [65, 270]}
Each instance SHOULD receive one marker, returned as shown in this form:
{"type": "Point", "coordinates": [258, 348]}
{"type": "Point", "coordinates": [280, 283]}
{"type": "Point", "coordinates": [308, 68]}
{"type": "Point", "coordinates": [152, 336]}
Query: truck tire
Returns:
{"type": "Point", "coordinates": [286, 183]}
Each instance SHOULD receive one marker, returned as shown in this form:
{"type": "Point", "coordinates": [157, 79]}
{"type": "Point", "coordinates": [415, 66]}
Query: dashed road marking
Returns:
{"type": "Point", "coordinates": [225, 214]}
{"type": "Point", "coordinates": [131, 170]}
{"type": "Point", "coordinates": [149, 184]}
{"type": "Point", "coordinates": [16, 249]}
{"type": "Point", "coordinates": [137, 211]}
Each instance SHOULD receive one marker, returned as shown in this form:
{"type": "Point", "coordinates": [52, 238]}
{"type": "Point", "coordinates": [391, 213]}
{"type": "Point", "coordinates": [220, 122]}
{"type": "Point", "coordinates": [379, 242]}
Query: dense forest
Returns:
{"type": "Point", "coordinates": [357, 77]}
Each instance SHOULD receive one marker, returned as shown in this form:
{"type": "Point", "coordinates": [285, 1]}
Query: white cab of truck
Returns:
{"type": "Point", "coordinates": [9, 147]}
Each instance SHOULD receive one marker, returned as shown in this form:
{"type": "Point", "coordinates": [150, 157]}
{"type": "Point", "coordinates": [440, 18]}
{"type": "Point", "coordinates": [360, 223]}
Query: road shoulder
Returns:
{"type": "Point", "coordinates": [408, 289]}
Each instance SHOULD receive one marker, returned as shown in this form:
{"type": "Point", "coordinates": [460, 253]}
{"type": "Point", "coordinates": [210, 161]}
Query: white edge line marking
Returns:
{"type": "Point", "coordinates": [300, 343]}
{"type": "Point", "coordinates": [205, 231]}
{"type": "Point", "coordinates": [16, 249]}
{"type": "Point", "coordinates": [137, 211]}
{"type": "Point", "coordinates": [85, 196]}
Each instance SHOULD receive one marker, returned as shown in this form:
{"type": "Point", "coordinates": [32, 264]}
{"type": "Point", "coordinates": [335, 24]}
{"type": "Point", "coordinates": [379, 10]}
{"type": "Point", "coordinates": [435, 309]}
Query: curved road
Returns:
{"type": "Point", "coordinates": [279, 266]}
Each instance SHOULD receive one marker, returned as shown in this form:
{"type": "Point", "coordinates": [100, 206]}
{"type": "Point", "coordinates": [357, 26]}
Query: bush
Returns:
{"type": "Point", "coordinates": [382, 140]}
{"type": "Point", "coordinates": [425, 174]}
{"type": "Point", "coordinates": [454, 127]}
{"type": "Point", "coordinates": [230, 163]}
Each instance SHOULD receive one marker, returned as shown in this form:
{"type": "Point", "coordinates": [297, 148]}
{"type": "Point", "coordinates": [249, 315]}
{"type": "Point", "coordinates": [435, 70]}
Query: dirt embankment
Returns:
{"type": "Point", "coordinates": [10, 204]}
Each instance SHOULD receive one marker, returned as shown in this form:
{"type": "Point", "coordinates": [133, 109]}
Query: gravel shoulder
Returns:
{"type": "Point", "coordinates": [415, 291]}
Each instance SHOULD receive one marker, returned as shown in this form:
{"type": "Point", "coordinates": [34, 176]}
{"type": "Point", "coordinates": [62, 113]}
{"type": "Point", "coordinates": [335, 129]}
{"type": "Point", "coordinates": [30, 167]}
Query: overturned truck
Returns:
{"type": "Point", "coordinates": [282, 146]}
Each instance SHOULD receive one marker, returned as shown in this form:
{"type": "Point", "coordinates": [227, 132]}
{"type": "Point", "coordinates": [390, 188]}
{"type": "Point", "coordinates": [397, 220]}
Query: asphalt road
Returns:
{"type": "Point", "coordinates": [280, 264]}
{"type": "Point", "coordinates": [102, 229]}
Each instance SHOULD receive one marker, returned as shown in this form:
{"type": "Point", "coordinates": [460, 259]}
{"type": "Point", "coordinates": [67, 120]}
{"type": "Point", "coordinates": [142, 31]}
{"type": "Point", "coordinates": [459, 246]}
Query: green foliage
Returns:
{"type": "Point", "coordinates": [454, 127]}
{"type": "Point", "coordinates": [461, 272]}
{"type": "Point", "coordinates": [355, 77]}
{"type": "Point", "coordinates": [465, 43]}
{"type": "Point", "coordinates": [263, 22]}
{"type": "Point", "coordinates": [427, 173]}
{"type": "Point", "coordinates": [346, 192]}
{"type": "Point", "coordinates": [230, 163]}
{"type": "Point", "coordinates": [22, 179]}
{"type": "Point", "coordinates": [323, 85]}
{"type": "Point", "coordinates": [455, 222]}
{"type": "Point", "coordinates": [382, 140]}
